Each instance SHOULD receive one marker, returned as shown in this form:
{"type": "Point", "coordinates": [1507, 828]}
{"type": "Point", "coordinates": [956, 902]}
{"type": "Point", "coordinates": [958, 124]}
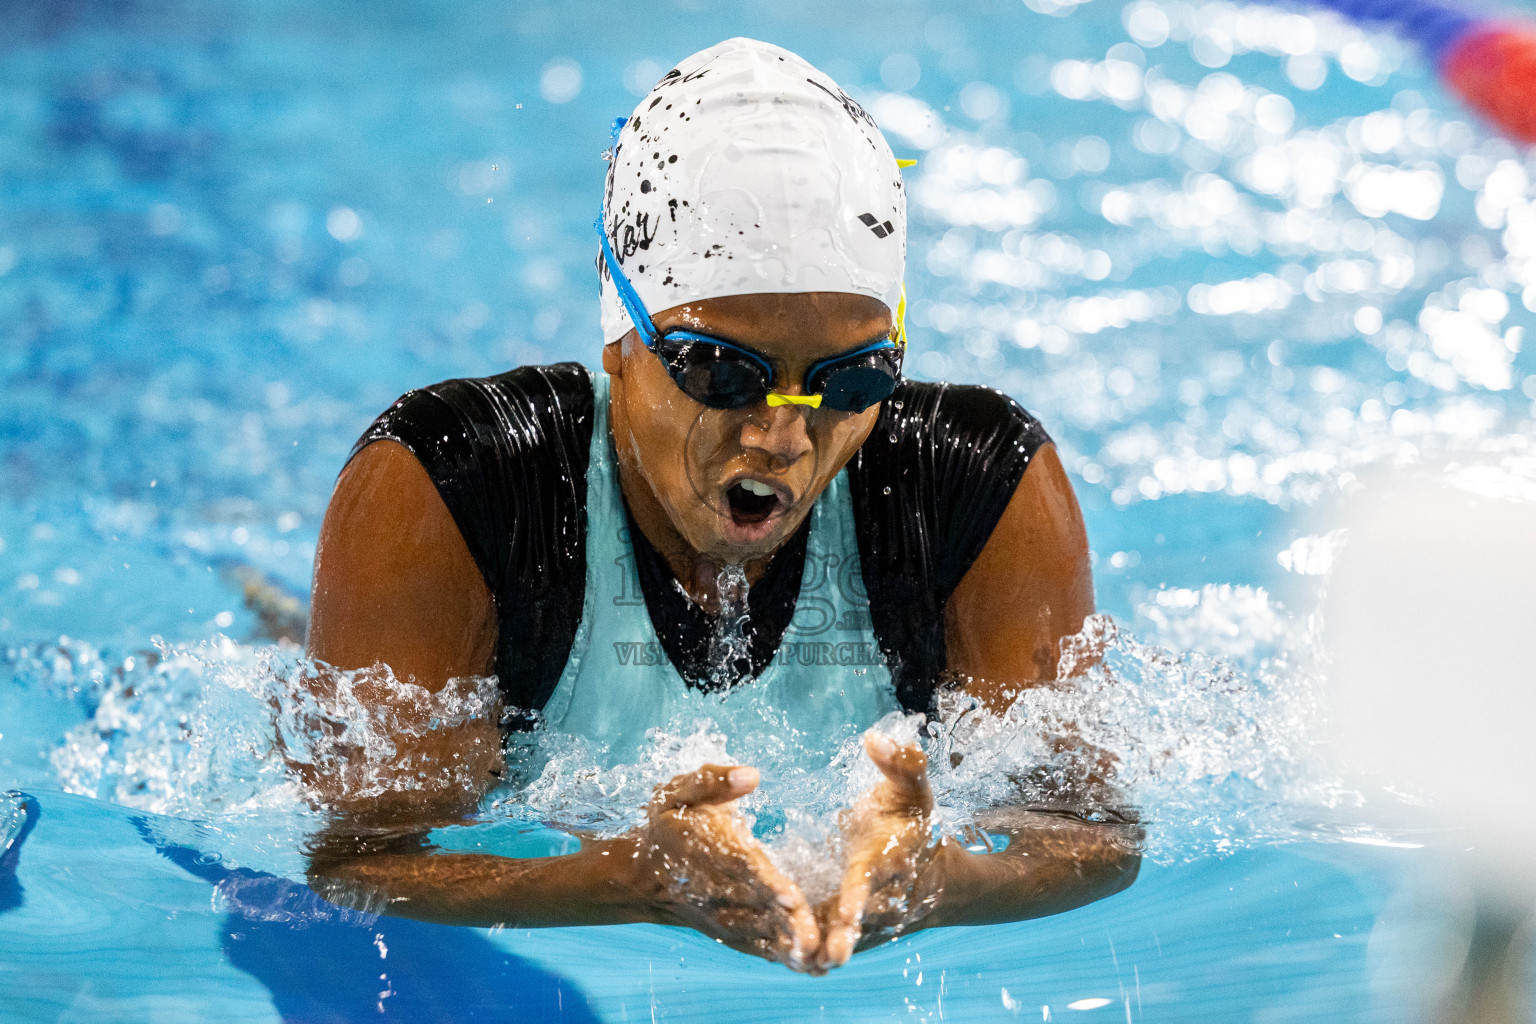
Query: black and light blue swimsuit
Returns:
{"type": "Point", "coordinates": [595, 638]}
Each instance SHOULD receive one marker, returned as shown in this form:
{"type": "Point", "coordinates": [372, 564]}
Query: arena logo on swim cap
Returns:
{"type": "Point", "coordinates": [881, 230]}
{"type": "Point", "coordinates": [746, 170]}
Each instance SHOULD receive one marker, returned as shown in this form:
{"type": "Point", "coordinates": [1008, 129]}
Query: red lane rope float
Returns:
{"type": "Point", "coordinates": [1494, 70]}
{"type": "Point", "coordinates": [1490, 64]}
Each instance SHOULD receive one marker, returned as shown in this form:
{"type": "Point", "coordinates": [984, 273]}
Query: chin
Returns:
{"type": "Point", "coordinates": [732, 541]}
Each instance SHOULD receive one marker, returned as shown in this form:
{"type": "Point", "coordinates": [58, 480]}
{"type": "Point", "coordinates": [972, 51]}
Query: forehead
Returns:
{"type": "Point", "coordinates": [800, 324]}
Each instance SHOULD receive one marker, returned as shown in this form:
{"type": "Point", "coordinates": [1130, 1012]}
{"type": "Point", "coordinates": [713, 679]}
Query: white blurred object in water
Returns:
{"type": "Point", "coordinates": [1428, 622]}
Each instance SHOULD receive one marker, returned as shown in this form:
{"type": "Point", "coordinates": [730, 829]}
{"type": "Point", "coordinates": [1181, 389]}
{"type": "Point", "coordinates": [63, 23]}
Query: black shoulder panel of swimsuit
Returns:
{"type": "Point", "coordinates": [929, 485]}
{"type": "Point", "coordinates": [509, 455]}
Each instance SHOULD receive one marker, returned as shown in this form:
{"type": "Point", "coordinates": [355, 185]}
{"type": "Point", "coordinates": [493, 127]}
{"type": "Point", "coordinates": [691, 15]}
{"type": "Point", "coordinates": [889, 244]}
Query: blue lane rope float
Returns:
{"type": "Point", "coordinates": [1489, 62]}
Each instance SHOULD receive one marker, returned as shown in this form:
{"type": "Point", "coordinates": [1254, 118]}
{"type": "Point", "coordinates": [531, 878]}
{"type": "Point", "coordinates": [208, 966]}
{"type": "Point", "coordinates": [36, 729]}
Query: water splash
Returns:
{"type": "Point", "coordinates": [1213, 754]}
{"type": "Point", "coordinates": [253, 740]}
{"type": "Point", "coordinates": [1211, 757]}
{"type": "Point", "coordinates": [730, 655]}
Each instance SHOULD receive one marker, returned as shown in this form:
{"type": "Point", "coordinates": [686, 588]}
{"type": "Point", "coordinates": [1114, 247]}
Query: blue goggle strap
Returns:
{"type": "Point", "coordinates": [693, 337]}
{"type": "Point", "coordinates": [627, 294]}
{"type": "Point", "coordinates": [642, 319]}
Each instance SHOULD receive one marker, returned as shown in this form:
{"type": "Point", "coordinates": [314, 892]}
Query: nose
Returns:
{"type": "Point", "coordinates": [779, 432]}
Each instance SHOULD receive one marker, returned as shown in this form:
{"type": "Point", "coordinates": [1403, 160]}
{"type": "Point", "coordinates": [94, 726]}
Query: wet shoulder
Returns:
{"type": "Point", "coordinates": [936, 473]}
{"type": "Point", "coordinates": [972, 427]}
{"type": "Point", "coordinates": [508, 455]}
{"type": "Point", "coordinates": [514, 413]}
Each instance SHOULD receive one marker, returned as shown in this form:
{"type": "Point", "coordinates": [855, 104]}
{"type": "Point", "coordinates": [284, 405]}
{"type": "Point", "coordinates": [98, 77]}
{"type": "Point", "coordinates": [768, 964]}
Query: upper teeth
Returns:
{"type": "Point", "coordinates": [762, 490]}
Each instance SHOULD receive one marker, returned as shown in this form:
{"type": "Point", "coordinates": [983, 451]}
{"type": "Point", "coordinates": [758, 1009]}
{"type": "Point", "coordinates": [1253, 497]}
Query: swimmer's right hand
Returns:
{"type": "Point", "coordinates": [703, 869]}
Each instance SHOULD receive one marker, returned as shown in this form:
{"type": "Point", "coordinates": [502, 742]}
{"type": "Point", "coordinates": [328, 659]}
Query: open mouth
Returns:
{"type": "Point", "coordinates": [751, 501]}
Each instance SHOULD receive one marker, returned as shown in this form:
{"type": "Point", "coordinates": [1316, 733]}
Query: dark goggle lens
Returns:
{"type": "Point", "coordinates": [718, 377]}
{"type": "Point", "coordinates": [723, 377]}
{"type": "Point", "coordinates": [855, 386]}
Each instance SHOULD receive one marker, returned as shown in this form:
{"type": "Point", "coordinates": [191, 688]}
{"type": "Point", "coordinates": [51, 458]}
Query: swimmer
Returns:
{"type": "Point", "coordinates": [569, 532]}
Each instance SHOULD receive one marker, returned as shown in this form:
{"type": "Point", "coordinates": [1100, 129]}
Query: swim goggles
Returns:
{"type": "Point", "coordinates": [725, 375]}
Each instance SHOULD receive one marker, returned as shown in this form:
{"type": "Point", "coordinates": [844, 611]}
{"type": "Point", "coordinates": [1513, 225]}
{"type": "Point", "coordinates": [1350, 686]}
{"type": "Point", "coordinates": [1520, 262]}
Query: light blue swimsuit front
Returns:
{"type": "Point", "coordinates": [826, 682]}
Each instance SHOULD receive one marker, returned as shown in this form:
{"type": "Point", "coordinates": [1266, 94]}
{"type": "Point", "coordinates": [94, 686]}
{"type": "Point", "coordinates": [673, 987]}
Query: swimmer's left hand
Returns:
{"type": "Point", "coordinates": [887, 883]}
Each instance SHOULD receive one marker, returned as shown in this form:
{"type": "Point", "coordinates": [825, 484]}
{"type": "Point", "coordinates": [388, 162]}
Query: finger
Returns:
{"type": "Point", "coordinates": [845, 920]}
{"type": "Point", "coordinates": [800, 925]}
{"type": "Point", "coordinates": [711, 784]}
{"type": "Point", "coordinates": [904, 766]}
{"type": "Point", "coordinates": [765, 900]}
{"type": "Point", "coordinates": [779, 894]}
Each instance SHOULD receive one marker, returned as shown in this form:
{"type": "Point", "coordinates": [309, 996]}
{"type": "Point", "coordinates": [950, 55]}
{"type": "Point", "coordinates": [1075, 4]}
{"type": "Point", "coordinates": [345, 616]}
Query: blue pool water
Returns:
{"type": "Point", "coordinates": [1234, 257]}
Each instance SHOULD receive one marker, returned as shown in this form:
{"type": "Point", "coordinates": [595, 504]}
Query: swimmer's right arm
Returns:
{"type": "Point", "coordinates": [396, 585]}
{"type": "Point", "coordinates": [693, 863]}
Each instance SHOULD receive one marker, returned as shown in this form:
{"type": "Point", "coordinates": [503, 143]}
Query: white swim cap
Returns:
{"type": "Point", "coordinates": [747, 170]}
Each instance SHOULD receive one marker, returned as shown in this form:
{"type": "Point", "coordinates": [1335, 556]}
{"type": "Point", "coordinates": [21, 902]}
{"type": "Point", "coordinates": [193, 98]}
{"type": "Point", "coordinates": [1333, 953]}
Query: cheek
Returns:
{"type": "Point", "coordinates": [653, 402]}
{"type": "Point", "coordinates": [839, 439]}
{"type": "Point", "coordinates": [665, 426]}
{"type": "Point", "coordinates": [660, 420]}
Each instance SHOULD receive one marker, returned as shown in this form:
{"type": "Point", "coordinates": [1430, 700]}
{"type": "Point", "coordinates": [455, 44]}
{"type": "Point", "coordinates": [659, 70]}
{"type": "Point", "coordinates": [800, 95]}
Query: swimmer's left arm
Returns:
{"type": "Point", "coordinates": [896, 880]}
{"type": "Point", "coordinates": [1030, 587]}
{"type": "Point", "coordinates": [1053, 863]}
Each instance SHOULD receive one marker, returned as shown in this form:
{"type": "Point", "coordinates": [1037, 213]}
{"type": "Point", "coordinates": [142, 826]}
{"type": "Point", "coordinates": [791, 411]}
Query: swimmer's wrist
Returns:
{"type": "Point", "coordinates": [942, 884]}
{"type": "Point", "coordinates": [1025, 880]}
{"type": "Point", "coordinates": [625, 881]}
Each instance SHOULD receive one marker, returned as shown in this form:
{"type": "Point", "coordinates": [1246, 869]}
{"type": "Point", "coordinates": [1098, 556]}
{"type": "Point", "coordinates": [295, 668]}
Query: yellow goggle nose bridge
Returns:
{"type": "Point", "coordinates": [774, 398]}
